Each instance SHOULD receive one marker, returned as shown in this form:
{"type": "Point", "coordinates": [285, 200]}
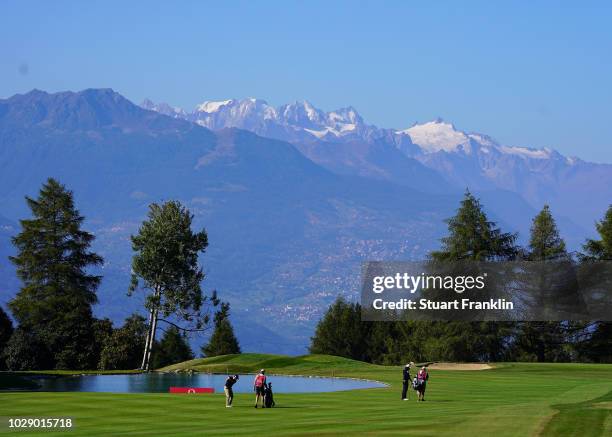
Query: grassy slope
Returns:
{"type": "Point", "coordinates": [513, 399]}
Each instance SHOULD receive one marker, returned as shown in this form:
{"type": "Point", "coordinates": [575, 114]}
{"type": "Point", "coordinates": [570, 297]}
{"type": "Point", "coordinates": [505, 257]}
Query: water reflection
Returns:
{"type": "Point", "coordinates": [161, 382]}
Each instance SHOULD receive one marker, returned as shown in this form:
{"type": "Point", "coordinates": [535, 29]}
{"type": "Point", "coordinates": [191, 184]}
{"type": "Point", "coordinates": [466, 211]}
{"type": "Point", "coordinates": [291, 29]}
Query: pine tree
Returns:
{"type": "Point", "coordinates": [222, 341]}
{"type": "Point", "coordinates": [54, 303]}
{"type": "Point", "coordinates": [166, 265]}
{"type": "Point", "coordinates": [382, 345]}
{"type": "Point", "coordinates": [598, 344]}
{"type": "Point", "coordinates": [545, 242]}
{"type": "Point", "coordinates": [473, 237]}
{"type": "Point", "coordinates": [6, 330]}
{"type": "Point", "coordinates": [544, 340]}
{"type": "Point", "coordinates": [340, 332]}
{"type": "Point", "coordinates": [173, 348]}
{"type": "Point", "coordinates": [601, 250]}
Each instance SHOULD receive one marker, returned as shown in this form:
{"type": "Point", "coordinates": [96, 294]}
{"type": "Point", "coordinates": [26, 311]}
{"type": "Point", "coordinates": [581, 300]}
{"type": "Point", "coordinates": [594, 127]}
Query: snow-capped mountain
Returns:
{"type": "Point", "coordinates": [164, 108]}
{"type": "Point", "coordinates": [294, 121]}
{"type": "Point", "coordinates": [302, 120]}
{"type": "Point", "coordinates": [572, 187]}
{"type": "Point", "coordinates": [344, 142]}
{"type": "Point", "coordinates": [441, 136]}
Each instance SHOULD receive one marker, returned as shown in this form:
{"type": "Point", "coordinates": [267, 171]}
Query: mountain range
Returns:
{"type": "Point", "coordinates": [450, 159]}
{"type": "Point", "coordinates": [293, 198]}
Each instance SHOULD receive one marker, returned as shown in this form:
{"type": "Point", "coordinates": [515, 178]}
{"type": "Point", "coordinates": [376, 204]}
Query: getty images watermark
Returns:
{"type": "Point", "coordinates": [479, 291]}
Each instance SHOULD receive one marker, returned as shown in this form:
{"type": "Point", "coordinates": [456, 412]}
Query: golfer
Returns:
{"type": "Point", "coordinates": [405, 381]}
{"type": "Point", "coordinates": [229, 392]}
{"type": "Point", "coordinates": [260, 387]}
{"type": "Point", "coordinates": [422, 378]}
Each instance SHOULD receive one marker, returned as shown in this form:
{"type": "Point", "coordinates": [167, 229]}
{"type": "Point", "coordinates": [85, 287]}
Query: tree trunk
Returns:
{"type": "Point", "coordinates": [143, 366]}
{"type": "Point", "coordinates": [152, 342]}
{"type": "Point", "coordinates": [146, 358]}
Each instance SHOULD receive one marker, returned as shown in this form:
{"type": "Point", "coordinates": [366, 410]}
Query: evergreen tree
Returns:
{"type": "Point", "coordinates": [545, 242]}
{"type": "Point", "coordinates": [222, 341]}
{"type": "Point", "coordinates": [166, 265]}
{"type": "Point", "coordinates": [6, 330]}
{"type": "Point", "coordinates": [453, 340]}
{"type": "Point", "coordinates": [382, 343]}
{"type": "Point", "coordinates": [598, 343]}
{"type": "Point", "coordinates": [471, 236]}
{"type": "Point", "coordinates": [601, 250]}
{"type": "Point", "coordinates": [122, 350]}
{"type": "Point", "coordinates": [54, 303]}
{"type": "Point", "coordinates": [340, 332]}
{"type": "Point", "coordinates": [544, 340]}
{"type": "Point", "coordinates": [173, 348]}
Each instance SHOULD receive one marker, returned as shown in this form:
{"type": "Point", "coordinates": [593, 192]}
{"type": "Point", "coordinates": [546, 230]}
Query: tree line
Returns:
{"type": "Point", "coordinates": [472, 236]}
{"type": "Point", "coordinates": [56, 327]}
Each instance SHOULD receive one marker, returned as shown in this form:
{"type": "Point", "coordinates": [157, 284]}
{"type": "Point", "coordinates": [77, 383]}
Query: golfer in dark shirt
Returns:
{"type": "Point", "coordinates": [229, 393]}
{"type": "Point", "coordinates": [405, 381]}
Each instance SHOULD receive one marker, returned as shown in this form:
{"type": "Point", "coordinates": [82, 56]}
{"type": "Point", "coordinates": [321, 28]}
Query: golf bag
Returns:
{"type": "Point", "coordinates": [268, 397]}
{"type": "Point", "coordinates": [416, 383]}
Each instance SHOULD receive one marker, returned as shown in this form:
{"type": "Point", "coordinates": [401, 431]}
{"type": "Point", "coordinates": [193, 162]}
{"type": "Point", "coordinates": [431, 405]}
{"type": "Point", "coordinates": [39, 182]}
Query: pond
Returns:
{"type": "Point", "coordinates": [161, 382]}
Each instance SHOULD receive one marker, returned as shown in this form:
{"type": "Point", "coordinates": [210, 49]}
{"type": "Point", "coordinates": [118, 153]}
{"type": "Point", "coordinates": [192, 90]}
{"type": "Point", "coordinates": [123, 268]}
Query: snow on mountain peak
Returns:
{"type": "Point", "coordinates": [299, 113]}
{"type": "Point", "coordinates": [345, 115]}
{"type": "Point", "coordinates": [212, 106]}
{"type": "Point", "coordinates": [528, 152]}
{"type": "Point", "coordinates": [437, 135]}
{"type": "Point", "coordinates": [301, 119]}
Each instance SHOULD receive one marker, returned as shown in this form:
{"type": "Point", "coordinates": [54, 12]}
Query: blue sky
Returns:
{"type": "Point", "coordinates": [527, 73]}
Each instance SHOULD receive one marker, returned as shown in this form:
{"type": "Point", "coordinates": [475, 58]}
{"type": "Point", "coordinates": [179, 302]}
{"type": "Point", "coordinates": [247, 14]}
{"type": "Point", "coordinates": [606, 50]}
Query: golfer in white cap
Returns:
{"type": "Point", "coordinates": [260, 387]}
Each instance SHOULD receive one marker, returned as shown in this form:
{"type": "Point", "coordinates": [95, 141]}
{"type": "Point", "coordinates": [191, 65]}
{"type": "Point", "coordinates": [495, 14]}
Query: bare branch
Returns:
{"type": "Point", "coordinates": [184, 329]}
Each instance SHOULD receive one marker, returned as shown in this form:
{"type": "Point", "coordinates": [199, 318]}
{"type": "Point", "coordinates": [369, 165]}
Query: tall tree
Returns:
{"type": "Point", "coordinates": [166, 266]}
{"type": "Point", "coordinates": [54, 303]}
{"type": "Point", "coordinates": [222, 341]}
{"type": "Point", "coordinates": [471, 236]}
{"type": "Point", "coordinates": [6, 330]}
{"type": "Point", "coordinates": [173, 348]}
{"type": "Point", "coordinates": [544, 340]}
{"type": "Point", "coordinates": [545, 243]}
{"type": "Point", "coordinates": [598, 344]}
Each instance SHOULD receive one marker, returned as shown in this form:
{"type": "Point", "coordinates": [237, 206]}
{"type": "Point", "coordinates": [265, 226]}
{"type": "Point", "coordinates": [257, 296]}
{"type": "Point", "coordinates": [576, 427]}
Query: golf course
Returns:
{"type": "Point", "coordinates": [509, 399]}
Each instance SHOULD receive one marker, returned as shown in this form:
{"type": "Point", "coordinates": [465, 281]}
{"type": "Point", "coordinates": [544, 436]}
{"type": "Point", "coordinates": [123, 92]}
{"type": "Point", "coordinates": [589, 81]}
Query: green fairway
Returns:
{"type": "Point", "coordinates": [511, 399]}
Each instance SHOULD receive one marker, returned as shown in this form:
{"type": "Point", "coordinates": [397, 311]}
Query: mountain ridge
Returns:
{"type": "Point", "coordinates": [459, 159]}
